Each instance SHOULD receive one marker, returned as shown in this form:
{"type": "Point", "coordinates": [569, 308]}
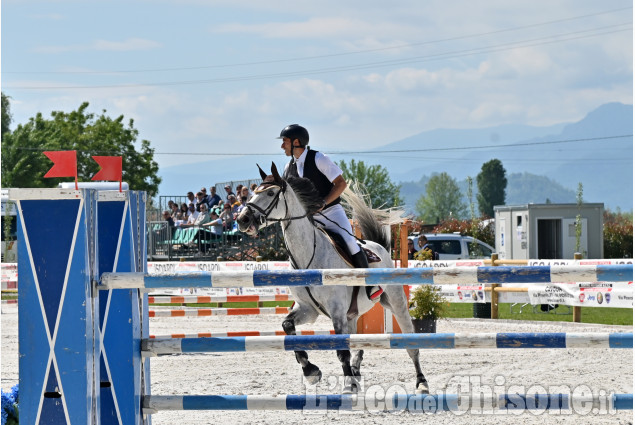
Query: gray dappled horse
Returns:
{"type": "Point", "coordinates": [292, 202]}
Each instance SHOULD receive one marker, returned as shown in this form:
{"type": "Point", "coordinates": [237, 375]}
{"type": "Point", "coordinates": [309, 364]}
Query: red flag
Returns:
{"type": "Point", "coordinates": [64, 164]}
{"type": "Point", "coordinates": [111, 168]}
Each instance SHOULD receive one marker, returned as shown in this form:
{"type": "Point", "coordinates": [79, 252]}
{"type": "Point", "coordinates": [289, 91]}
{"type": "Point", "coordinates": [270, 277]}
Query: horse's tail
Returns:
{"type": "Point", "coordinates": [372, 221]}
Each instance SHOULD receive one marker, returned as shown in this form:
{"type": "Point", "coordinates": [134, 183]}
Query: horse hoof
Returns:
{"type": "Point", "coordinates": [422, 388]}
{"type": "Point", "coordinates": [312, 374]}
{"type": "Point", "coordinates": [351, 386]}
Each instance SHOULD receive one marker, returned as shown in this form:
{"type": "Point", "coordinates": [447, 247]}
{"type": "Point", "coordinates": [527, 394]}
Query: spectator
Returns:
{"type": "Point", "coordinates": [170, 203]}
{"type": "Point", "coordinates": [206, 197]}
{"type": "Point", "coordinates": [233, 202]}
{"type": "Point", "coordinates": [216, 223]}
{"type": "Point", "coordinates": [179, 219]}
{"type": "Point", "coordinates": [244, 192]}
{"type": "Point", "coordinates": [228, 217]}
{"type": "Point", "coordinates": [411, 249]}
{"type": "Point", "coordinates": [202, 218]}
{"type": "Point", "coordinates": [228, 189]}
{"type": "Point", "coordinates": [200, 200]}
{"type": "Point", "coordinates": [243, 204]}
{"type": "Point", "coordinates": [175, 210]}
{"type": "Point", "coordinates": [425, 252]}
{"type": "Point", "coordinates": [193, 214]}
{"type": "Point", "coordinates": [214, 198]}
{"type": "Point", "coordinates": [191, 198]}
{"type": "Point", "coordinates": [167, 217]}
{"type": "Point", "coordinates": [253, 189]}
{"type": "Point", "coordinates": [185, 212]}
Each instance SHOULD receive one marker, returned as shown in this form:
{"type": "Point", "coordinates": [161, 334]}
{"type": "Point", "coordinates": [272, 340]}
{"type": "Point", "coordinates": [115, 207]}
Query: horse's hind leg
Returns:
{"type": "Point", "coordinates": [394, 298]}
{"type": "Point", "coordinates": [300, 316]}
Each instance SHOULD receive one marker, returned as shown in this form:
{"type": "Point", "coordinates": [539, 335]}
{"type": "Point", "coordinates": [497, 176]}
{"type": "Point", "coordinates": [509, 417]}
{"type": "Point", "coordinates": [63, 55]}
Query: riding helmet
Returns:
{"type": "Point", "coordinates": [295, 131]}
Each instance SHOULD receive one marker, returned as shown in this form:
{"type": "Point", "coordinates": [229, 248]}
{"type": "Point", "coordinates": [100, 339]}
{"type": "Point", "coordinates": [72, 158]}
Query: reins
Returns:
{"type": "Point", "coordinates": [265, 215]}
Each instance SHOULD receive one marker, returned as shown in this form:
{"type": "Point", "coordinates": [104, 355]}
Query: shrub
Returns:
{"type": "Point", "coordinates": [618, 235]}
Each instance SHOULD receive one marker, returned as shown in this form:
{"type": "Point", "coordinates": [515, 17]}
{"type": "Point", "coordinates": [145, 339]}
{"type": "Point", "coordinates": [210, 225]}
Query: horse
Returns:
{"type": "Point", "coordinates": [294, 202]}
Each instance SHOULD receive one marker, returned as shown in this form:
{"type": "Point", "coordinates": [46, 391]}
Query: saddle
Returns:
{"type": "Point", "coordinates": [338, 242]}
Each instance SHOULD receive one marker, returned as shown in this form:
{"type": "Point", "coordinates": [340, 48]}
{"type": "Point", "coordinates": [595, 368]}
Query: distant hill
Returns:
{"type": "Point", "coordinates": [552, 159]}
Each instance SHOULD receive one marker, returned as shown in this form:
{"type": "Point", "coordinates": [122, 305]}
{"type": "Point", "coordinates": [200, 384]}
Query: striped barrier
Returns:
{"type": "Point", "coordinates": [414, 403]}
{"type": "Point", "coordinates": [196, 312]}
{"type": "Point", "coordinates": [156, 347]}
{"type": "Point", "coordinates": [372, 277]}
{"type": "Point", "coordinates": [239, 333]}
{"type": "Point", "coordinates": [204, 299]}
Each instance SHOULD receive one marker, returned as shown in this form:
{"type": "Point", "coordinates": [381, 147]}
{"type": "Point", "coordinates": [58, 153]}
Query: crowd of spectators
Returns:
{"type": "Point", "coordinates": [209, 211]}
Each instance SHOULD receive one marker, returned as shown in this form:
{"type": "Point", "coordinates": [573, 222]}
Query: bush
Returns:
{"type": "Point", "coordinates": [427, 303]}
{"type": "Point", "coordinates": [618, 235]}
{"type": "Point", "coordinates": [468, 227]}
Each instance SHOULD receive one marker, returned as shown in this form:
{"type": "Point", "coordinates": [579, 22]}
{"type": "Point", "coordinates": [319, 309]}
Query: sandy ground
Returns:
{"type": "Point", "coordinates": [278, 373]}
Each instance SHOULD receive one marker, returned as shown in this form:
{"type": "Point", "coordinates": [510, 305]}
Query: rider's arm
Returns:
{"type": "Point", "coordinates": [339, 184]}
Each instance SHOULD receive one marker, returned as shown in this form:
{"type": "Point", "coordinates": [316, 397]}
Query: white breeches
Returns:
{"type": "Point", "coordinates": [337, 214]}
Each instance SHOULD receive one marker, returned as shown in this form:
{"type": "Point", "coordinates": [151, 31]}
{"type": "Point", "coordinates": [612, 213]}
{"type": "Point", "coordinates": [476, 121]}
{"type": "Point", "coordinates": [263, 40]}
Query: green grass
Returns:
{"type": "Point", "coordinates": [606, 316]}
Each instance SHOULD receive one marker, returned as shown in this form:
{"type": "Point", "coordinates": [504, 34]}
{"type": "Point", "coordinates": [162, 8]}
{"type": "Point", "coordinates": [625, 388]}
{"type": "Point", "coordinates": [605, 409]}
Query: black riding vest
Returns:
{"type": "Point", "coordinates": [311, 172]}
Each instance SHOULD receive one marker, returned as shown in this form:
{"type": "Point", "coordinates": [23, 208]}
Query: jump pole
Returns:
{"type": "Point", "coordinates": [364, 277]}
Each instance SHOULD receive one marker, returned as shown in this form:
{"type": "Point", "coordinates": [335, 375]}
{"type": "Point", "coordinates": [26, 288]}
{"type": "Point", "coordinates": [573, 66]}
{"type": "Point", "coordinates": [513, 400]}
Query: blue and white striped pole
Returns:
{"type": "Point", "coordinates": [153, 347]}
{"type": "Point", "coordinates": [424, 403]}
{"type": "Point", "coordinates": [372, 277]}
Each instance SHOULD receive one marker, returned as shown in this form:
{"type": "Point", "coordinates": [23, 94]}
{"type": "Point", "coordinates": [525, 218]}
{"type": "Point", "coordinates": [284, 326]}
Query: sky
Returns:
{"type": "Point", "coordinates": [206, 79]}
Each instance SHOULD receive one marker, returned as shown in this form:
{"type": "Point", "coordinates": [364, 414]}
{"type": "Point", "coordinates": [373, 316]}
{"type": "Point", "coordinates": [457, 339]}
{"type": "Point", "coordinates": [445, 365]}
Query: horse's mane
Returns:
{"type": "Point", "coordinates": [307, 194]}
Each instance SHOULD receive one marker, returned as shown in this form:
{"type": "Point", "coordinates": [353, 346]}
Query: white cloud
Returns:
{"type": "Point", "coordinates": [130, 44]}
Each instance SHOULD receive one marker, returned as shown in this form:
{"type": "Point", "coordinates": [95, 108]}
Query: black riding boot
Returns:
{"type": "Point", "coordinates": [360, 261]}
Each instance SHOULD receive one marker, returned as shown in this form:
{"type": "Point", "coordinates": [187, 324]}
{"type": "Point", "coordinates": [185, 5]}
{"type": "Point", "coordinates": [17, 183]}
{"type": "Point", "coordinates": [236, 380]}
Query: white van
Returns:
{"type": "Point", "coordinates": [453, 246]}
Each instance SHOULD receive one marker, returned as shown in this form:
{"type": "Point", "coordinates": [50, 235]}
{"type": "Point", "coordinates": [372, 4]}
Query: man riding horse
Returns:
{"type": "Point", "coordinates": [328, 180]}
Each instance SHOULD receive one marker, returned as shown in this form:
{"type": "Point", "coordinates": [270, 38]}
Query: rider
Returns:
{"type": "Point", "coordinates": [327, 178]}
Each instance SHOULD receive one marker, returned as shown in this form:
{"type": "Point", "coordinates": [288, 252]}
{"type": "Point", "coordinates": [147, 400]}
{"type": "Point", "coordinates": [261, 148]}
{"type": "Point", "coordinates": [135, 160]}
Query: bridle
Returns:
{"type": "Point", "coordinates": [264, 215]}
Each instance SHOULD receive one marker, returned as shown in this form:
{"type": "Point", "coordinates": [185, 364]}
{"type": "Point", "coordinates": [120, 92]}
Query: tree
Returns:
{"type": "Point", "coordinates": [24, 165]}
{"type": "Point", "coordinates": [441, 201]}
{"type": "Point", "coordinates": [7, 118]}
{"type": "Point", "coordinates": [491, 182]}
{"type": "Point", "coordinates": [383, 192]}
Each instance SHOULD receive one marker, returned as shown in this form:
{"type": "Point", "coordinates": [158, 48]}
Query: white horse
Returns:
{"type": "Point", "coordinates": [292, 202]}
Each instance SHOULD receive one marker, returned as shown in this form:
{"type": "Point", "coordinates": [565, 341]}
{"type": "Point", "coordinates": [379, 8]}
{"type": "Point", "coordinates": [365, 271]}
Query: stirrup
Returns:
{"type": "Point", "coordinates": [375, 293]}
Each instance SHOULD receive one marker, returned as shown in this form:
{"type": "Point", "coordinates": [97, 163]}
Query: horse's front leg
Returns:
{"type": "Point", "coordinates": [298, 316]}
{"type": "Point", "coordinates": [340, 325]}
{"type": "Point", "coordinates": [356, 364]}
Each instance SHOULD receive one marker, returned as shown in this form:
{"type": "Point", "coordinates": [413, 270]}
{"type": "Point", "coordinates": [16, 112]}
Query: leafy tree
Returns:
{"type": "Point", "coordinates": [441, 201]}
{"type": "Point", "coordinates": [24, 165]}
{"type": "Point", "coordinates": [383, 192]}
{"type": "Point", "coordinates": [491, 182]}
{"type": "Point", "coordinates": [7, 118]}
{"type": "Point", "coordinates": [618, 234]}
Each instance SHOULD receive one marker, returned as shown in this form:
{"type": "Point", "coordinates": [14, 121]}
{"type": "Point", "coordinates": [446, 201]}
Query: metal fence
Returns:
{"type": "Point", "coordinates": [167, 243]}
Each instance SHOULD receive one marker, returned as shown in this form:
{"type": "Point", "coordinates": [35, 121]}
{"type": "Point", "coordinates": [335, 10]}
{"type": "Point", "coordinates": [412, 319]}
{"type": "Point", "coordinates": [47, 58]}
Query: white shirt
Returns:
{"type": "Point", "coordinates": [322, 162]}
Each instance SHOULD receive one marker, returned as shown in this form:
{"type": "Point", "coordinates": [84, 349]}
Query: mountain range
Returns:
{"type": "Point", "coordinates": [542, 163]}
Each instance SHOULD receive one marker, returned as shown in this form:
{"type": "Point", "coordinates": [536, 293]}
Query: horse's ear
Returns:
{"type": "Point", "coordinates": [262, 173]}
{"type": "Point", "coordinates": [274, 172]}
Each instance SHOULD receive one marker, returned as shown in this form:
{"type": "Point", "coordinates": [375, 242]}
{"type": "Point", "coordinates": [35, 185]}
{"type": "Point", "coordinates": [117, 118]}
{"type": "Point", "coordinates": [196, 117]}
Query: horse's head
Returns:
{"type": "Point", "coordinates": [263, 207]}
